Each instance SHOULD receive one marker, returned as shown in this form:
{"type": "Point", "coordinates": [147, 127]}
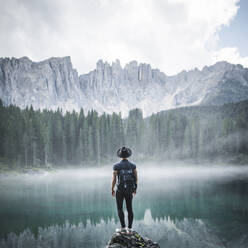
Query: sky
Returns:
{"type": "Point", "coordinates": [171, 35]}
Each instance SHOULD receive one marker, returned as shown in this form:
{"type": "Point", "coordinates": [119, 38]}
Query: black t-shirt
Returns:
{"type": "Point", "coordinates": [123, 164]}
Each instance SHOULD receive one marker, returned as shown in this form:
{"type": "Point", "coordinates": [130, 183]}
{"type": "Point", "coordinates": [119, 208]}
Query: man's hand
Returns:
{"type": "Point", "coordinates": [134, 193]}
{"type": "Point", "coordinates": [113, 193]}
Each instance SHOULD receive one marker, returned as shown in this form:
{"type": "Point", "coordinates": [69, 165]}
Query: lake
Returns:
{"type": "Point", "coordinates": [181, 206]}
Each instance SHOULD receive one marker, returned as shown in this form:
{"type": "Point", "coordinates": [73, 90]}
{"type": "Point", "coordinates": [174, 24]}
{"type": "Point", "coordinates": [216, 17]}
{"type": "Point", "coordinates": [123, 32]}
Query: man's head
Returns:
{"type": "Point", "coordinates": [124, 152]}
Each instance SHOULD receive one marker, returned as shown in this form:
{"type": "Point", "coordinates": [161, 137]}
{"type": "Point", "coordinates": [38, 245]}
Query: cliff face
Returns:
{"type": "Point", "coordinates": [54, 83]}
{"type": "Point", "coordinates": [121, 89]}
{"type": "Point", "coordinates": [139, 86]}
{"type": "Point", "coordinates": [48, 84]}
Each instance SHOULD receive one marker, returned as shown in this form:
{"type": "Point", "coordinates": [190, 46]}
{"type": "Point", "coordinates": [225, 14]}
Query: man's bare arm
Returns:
{"type": "Point", "coordinates": [136, 175]}
{"type": "Point", "coordinates": [136, 179]}
{"type": "Point", "coordinates": [114, 182]}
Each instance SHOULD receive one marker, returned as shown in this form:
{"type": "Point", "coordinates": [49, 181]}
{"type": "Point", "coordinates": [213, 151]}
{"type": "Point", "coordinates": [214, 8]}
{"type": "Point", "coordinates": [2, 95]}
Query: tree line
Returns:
{"type": "Point", "coordinates": [34, 138]}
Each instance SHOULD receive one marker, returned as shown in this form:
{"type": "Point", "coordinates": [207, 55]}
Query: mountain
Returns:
{"type": "Point", "coordinates": [54, 83]}
{"type": "Point", "coordinates": [48, 84]}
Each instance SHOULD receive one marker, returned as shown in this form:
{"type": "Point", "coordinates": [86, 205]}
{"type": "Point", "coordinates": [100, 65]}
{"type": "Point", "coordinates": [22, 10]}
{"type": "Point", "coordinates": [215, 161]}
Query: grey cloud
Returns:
{"type": "Point", "coordinates": [160, 32]}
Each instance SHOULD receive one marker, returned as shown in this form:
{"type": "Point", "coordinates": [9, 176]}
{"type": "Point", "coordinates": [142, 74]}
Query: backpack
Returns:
{"type": "Point", "coordinates": [126, 179]}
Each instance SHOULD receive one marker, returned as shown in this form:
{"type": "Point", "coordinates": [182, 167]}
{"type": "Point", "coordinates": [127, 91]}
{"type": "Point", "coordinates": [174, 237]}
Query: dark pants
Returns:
{"type": "Point", "coordinates": [120, 196]}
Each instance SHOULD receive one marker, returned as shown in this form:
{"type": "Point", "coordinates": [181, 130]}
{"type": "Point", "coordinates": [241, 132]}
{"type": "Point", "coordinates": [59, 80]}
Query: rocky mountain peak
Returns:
{"type": "Point", "coordinates": [220, 67]}
{"type": "Point", "coordinates": [109, 88]}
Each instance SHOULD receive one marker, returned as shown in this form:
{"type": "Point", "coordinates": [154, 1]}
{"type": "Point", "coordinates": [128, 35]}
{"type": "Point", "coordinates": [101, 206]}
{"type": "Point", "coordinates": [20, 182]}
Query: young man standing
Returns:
{"type": "Point", "coordinates": [126, 173]}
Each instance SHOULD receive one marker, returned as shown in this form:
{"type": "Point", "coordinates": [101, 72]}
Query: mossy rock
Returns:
{"type": "Point", "coordinates": [133, 240]}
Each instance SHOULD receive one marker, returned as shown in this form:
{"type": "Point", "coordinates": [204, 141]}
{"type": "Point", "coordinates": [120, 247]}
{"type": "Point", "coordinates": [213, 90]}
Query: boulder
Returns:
{"type": "Point", "coordinates": [122, 240]}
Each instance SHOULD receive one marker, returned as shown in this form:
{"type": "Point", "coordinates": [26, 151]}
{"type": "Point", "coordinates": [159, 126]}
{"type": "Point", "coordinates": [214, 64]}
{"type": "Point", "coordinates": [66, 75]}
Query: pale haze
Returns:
{"type": "Point", "coordinates": [171, 35]}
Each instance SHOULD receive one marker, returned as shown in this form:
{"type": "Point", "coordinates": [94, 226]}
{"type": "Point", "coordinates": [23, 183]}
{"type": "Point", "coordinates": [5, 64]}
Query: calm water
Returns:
{"type": "Point", "coordinates": [177, 207]}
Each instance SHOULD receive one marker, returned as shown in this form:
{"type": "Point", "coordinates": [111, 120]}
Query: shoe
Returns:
{"type": "Point", "coordinates": [129, 231]}
{"type": "Point", "coordinates": [121, 230]}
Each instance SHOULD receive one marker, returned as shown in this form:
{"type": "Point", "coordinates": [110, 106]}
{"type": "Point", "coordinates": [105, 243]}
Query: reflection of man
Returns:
{"type": "Point", "coordinates": [126, 186]}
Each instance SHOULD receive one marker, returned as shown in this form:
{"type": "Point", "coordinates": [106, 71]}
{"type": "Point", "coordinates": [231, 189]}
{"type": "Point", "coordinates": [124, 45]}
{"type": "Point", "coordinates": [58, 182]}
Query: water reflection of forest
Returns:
{"type": "Point", "coordinates": [48, 202]}
{"type": "Point", "coordinates": [185, 233]}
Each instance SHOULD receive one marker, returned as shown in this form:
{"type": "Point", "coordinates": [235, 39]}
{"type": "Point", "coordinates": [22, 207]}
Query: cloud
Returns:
{"type": "Point", "coordinates": [171, 35]}
{"type": "Point", "coordinates": [232, 55]}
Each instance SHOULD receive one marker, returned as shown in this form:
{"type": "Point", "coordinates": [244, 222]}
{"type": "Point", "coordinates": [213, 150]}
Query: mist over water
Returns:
{"type": "Point", "coordinates": [177, 206]}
